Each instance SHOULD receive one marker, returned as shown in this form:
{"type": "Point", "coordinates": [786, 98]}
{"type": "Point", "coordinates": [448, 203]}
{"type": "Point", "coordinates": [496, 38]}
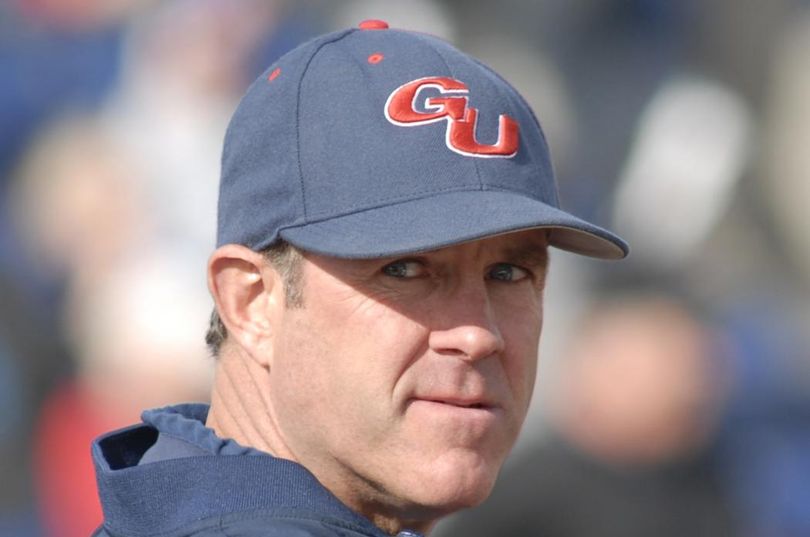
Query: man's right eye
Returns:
{"type": "Point", "coordinates": [406, 268]}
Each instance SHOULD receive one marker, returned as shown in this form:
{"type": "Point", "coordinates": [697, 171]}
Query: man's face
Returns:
{"type": "Point", "coordinates": [402, 383]}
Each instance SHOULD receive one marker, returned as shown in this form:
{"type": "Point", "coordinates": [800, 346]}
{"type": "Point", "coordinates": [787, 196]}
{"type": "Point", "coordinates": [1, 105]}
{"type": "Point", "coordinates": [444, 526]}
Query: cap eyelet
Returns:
{"type": "Point", "coordinates": [373, 24]}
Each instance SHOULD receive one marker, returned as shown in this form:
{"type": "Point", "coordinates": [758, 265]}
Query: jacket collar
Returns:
{"type": "Point", "coordinates": [176, 491]}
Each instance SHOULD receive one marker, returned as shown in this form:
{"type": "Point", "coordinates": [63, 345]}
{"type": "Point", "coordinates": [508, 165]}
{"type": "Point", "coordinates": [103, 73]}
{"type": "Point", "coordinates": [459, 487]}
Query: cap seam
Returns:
{"type": "Point", "coordinates": [379, 203]}
{"type": "Point", "coordinates": [453, 74]}
{"type": "Point", "coordinates": [298, 116]}
{"type": "Point", "coordinates": [520, 99]}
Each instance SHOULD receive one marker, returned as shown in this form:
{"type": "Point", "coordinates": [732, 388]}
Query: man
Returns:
{"type": "Point", "coordinates": [385, 207]}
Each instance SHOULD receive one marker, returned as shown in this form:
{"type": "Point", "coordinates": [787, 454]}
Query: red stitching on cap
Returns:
{"type": "Point", "coordinates": [272, 76]}
{"type": "Point", "coordinates": [377, 57]}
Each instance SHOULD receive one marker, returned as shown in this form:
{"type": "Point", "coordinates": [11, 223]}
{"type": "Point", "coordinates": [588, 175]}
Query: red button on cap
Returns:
{"type": "Point", "coordinates": [373, 24]}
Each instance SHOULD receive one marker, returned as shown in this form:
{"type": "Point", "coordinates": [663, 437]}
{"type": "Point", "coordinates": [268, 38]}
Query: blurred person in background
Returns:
{"type": "Point", "coordinates": [83, 221]}
{"type": "Point", "coordinates": [55, 55]}
{"type": "Point", "coordinates": [117, 185]}
{"type": "Point", "coordinates": [767, 447]}
{"type": "Point", "coordinates": [185, 65]}
{"type": "Point", "coordinates": [75, 208]}
{"type": "Point", "coordinates": [632, 422]}
{"type": "Point", "coordinates": [135, 336]}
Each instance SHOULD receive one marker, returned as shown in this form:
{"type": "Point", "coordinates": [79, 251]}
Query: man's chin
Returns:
{"type": "Point", "coordinates": [447, 490]}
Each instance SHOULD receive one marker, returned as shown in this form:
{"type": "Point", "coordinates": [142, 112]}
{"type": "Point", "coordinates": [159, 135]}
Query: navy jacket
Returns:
{"type": "Point", "coordinates": [173, 477]}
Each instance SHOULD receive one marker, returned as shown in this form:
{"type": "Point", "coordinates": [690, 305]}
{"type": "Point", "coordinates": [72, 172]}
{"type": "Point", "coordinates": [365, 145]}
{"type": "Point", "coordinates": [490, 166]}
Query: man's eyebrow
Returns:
{"type": "Point", "coordinates": [530, 255]}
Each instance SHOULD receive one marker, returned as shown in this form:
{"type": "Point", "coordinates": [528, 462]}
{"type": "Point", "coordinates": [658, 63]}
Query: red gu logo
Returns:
{"type": "Point", "coordinates": [452, 106]}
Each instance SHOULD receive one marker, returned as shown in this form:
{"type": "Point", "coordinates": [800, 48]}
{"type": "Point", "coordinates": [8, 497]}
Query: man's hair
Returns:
{"type": "Point", "coordinates": [286, 260]}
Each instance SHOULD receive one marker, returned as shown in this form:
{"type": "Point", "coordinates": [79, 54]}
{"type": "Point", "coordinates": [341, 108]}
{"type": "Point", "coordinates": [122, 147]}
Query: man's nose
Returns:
{"type": "Point", "coordinates": [466, 326]}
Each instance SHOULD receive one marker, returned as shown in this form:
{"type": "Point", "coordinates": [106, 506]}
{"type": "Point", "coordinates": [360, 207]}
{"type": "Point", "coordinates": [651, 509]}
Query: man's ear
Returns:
{"type": "Point", "coordinates": [246, 292]}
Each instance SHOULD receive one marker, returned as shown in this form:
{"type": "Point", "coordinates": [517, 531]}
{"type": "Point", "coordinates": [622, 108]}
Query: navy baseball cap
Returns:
{"type": "Point", "coordinates": [371, 142]}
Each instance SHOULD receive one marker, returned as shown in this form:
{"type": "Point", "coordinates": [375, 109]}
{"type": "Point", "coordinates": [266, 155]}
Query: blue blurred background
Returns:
{"type": "Point", "coordinates": [673, 394]}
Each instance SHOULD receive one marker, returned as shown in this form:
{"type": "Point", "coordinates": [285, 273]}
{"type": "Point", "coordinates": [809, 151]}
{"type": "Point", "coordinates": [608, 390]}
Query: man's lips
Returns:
{"type": "Point", "coordinates": [473, 413]}
{"type": "Point", "coordinates": [461, 402]}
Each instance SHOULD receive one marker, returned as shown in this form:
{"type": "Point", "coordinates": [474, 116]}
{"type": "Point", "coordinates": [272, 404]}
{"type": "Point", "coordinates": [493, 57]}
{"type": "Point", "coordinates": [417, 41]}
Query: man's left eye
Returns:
{"type": "Point", "coordinates": [506, 272]}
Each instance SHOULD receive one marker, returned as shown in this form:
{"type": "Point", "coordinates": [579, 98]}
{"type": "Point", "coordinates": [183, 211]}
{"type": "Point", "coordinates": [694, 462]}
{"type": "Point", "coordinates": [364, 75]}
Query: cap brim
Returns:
{"type": "Point", "coordinates": [447, 219]}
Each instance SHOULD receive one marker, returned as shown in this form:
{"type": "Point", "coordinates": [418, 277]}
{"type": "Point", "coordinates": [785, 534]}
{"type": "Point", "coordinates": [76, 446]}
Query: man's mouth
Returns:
{"type": "Point", "coordinates": [460, 403]}
{"type": "Point", "coordinates": [467, 405]}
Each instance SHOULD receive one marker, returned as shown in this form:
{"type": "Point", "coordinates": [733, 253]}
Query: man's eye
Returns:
{"type": "Point", "coordinates": [505, 272]}
{"type": "Point", "coordinates": [404, 269]}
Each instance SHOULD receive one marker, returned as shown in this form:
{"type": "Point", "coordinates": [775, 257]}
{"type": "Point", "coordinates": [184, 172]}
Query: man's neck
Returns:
{"type": "Point", "coordinates": [240, 408]}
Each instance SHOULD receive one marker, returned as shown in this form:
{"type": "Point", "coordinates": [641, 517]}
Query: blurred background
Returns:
{"type": "Point", "coordinates": [673, 396]}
